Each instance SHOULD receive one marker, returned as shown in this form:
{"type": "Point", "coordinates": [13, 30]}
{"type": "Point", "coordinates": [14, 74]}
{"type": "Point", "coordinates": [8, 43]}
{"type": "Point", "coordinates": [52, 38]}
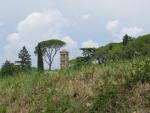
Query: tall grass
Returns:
{"type": "Point", "coordinates": [91, 88]}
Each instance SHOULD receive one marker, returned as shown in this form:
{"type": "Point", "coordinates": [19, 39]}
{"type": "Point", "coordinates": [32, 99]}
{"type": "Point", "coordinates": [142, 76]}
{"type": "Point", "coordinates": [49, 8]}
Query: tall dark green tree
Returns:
{"type": "Point", "coordinates": [126, 39]}
{"type": "Point", "coordinates": [40, 58]}
{"type": "Point", "coordinates": [25, 59]}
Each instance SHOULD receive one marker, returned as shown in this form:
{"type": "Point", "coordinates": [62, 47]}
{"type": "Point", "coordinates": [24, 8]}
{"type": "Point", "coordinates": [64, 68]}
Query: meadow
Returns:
{"type": "Point", "coordinates": [117, 87]}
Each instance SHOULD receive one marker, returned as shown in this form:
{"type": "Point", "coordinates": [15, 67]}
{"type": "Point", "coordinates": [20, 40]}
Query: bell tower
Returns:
{"type": "Point", "coordinates": [64, 59]}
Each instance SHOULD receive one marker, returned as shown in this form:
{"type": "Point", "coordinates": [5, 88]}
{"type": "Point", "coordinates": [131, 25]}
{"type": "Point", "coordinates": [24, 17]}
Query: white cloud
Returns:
{"type": "Point", "coordinates": [89, 43]}
{"type": "Point", "coordinates": [13, 38]}
{"type": "Point", "coordinates": [13, 43]}
{"type": "Point", "coordinates": [112, 25]}
{"type": "Point", "coordinates": [118, 32]}
{"type": "Point", "coordinates": [36, 27]}
{"type": "Point", "coordinates": [85, 17]}
{"type": "Point", "coordinates": [71, 44]}
{"type": "Point", "coordinates": [132, 31]}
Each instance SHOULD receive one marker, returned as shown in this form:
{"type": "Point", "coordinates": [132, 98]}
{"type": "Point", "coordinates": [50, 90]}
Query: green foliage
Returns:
{"type": "Point", "coordinates": [52, 44]}
{"type": "Point", "coordinates": [8, 69]}
{"type": "Point", "coordinates": [126, 39]}
{"type": "Point", "coordinates": [59, 104]}
{"type": "Point", "coordinates": [101, 54]}
{"type": "Point", "coordinates": [40, 58]}
{"type": "Point", "coordinates": [77, 62]}
{"type": "Point", "coordinates": [2, 109]}
{"type": "Point", "coordinates": [112, 88]}
{"type": "Point", "coordinates": [131, 48]}
{"type": "Point", "coordinates": [116, 87]}
{"type": "Point", "coordinates": [86, 59]}
{"type": "Point", "coordinates": [88, 53]}
{"type": "Point", "coordinates": [105, 101]}
{"type": "Point", "coordinates": [25, 59]}
{"type": "Point", "coordinates": [110, 52]}
{"type": "Point", "coordinates": [142, 71]}
{"type": "Point", "coordinates": [141, 45]}
{"type": "Point", "coordinates": [120, 98]}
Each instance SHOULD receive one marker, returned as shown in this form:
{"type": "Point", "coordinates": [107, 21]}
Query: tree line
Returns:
{"type": "Point", "coordinates": [129, 48]}
{"type": "Point", "coordinates": [45, 51]}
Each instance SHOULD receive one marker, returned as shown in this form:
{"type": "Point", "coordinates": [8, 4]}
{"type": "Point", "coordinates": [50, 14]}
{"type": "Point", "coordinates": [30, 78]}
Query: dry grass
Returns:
{"type": "Point", "coordinates": [63, 91]}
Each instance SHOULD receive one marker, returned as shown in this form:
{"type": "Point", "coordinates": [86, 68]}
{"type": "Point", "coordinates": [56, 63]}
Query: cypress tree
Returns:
{"type": "Point", "coordinates": [40, 58]}
{"type": "Point", "coordinates": [126, 39]}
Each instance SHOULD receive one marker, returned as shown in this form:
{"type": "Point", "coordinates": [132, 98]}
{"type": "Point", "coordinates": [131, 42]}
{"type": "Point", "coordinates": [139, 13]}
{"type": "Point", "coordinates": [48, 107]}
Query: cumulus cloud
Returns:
{"type": "Point", "coordinates": [118, 32]}
{"type": "Point", "coordinates": [40, 25]}
{"type": "Point", "coordinates": [112, 25]}
{"type": "Point", "coordinates": [131, 31]}
{"type": "Point", "coordinates": [89, 43]}
{"type": "Point", "coordinates": [36, 27]}
{"type": "Point", "coordinates": [71, 44]}
{"type": "Point", "coordinates": [13, 42]}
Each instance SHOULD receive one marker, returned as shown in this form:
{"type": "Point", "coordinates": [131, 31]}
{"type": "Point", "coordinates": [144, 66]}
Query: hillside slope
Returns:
{"type": "Point", "coordinates": [121, 87]}
{"type": "Point", "coordinates": [116, 51]}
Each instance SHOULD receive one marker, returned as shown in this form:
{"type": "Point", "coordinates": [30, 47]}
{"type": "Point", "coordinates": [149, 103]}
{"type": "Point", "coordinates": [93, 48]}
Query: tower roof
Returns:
{"type": "Point", "coordinates": [64, 51]}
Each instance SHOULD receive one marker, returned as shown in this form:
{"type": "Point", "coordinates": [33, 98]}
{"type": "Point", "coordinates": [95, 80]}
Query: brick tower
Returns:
{"type": "Point", "coordinates": [64, 59]}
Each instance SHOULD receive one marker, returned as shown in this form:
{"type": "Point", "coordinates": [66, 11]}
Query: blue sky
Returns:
{"type": "Point", "coordinates": [80, 23]}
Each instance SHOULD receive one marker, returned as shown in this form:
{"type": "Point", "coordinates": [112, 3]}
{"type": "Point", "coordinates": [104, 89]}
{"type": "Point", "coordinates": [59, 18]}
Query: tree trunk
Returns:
{"type": "Point", "coordinates": [50, 67]}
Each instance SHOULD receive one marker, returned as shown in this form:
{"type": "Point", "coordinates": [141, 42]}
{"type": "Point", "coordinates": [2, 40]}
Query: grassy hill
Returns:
{"type": "Point", "coordinates": [135, 47]}
{"type": "Point", "coordinates": [120, 87]}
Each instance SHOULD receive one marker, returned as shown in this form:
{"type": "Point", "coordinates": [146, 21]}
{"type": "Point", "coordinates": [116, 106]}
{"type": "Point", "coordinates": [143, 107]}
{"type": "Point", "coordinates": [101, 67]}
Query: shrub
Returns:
{"type": "Point", "coordinates": [141, 71]}
{"type": "Point", "coordinates": [8, 69]}
{"type": "Point", "coordinates": [58, 104]}
{"type": "Point", "coordinates": [105, 101]}
{"type": "Point", "coordinates": [120, 98]}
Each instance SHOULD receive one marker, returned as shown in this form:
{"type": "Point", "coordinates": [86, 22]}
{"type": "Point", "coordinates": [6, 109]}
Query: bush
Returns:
{"type": "Point", "coordinates": [142, 71]}
{"type": "Point", "coordinates": [120, 98]}
{"type": "Point", "coordinates": [8, 69]}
